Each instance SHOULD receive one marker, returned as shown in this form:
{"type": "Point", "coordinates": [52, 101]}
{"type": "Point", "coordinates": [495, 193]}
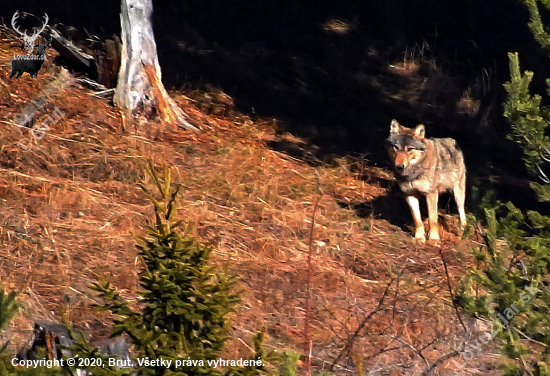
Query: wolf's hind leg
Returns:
{"type": "Point", "coordinates": [460, 196]}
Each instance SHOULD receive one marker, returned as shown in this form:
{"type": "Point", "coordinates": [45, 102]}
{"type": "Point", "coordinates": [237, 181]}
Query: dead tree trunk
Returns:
{"type": "Point", "coordinates": [139, 79]}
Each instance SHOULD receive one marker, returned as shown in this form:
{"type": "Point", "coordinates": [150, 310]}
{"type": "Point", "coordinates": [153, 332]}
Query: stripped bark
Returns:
{"type": "Point", "coordinates": [139, 79]}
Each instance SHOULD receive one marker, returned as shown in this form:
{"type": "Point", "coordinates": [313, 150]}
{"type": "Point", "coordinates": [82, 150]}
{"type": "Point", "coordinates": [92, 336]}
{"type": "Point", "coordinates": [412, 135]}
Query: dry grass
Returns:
{"type": "Point", "coordinates": [427, 87]}
{"type": "Point", "coordinates": [71, 204]}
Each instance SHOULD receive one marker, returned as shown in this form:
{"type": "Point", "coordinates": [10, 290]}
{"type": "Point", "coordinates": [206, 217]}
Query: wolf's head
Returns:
{"type": "Point", "coordinates": [406, 147]}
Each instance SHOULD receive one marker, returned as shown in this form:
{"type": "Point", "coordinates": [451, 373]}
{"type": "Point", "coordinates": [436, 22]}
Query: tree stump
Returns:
{"type": "Point", "coordinates": [139, 79]}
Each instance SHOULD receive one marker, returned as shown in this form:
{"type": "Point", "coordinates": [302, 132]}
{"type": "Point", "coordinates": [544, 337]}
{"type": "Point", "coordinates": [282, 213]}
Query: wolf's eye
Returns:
{"type": "Point", "coordinates": [410, 148]}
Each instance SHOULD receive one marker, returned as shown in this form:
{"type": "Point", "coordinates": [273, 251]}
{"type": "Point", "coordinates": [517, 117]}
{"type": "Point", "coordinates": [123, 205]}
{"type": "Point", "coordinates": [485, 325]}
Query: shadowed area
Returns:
{"type": "Point", "coordinates": [336, 73]}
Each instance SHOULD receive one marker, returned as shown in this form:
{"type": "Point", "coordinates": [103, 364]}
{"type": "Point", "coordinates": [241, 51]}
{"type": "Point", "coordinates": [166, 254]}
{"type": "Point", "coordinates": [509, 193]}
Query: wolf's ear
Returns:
{"type": "Point", "coordinates": [419, 131]}
{"type": "Point", "coordinates": [394, 127]}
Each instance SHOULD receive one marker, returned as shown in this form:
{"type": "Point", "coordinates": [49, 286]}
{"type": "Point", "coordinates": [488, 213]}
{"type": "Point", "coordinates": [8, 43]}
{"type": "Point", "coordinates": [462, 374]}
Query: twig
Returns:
{"type": "Point", "coordinates": [451, 291]}
{"type": "Point", "coordinates": [525, 365]}
{"type": "Point", "coordinates": [307, 340]}
{"type": "Point", "coordinates": [387, 349]}
{"type": "Point", "coordinates": [347, 348]}
{"type": "Point", "coordinates": [522, 361]}
{"type": "Point", "coordinates": [396, 292]}
{"type": "Point", "coordinates": [439, 360]}
{"type": "Point", "coordinates": [244, 343]}
{"type": "Point", "coordinates": [92, 84]}
{"type": "Point", "coordinates": [543, 176]}
{"type": "Point", "coordinates": [418, 352]}
{"type": "Point", "coordinates": [104, 94]}
{"type": "Point", "coordinates": [530, 339]}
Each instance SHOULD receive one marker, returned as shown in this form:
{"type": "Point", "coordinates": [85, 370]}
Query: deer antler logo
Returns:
{"type": "Point", "coordinates": [29, 42]}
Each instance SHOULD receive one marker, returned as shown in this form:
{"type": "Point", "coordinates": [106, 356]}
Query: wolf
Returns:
{"type": "Point", "coordinates": [427, 166]}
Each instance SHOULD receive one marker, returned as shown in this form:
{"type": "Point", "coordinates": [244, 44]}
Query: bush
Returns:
{"type": "Point", "coordinates": [513, 275]}
{"type": "Point", "coordinates": [185, 307]}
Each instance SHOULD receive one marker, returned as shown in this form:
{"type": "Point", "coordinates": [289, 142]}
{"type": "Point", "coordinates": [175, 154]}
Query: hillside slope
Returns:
{"type": "Point", "coordinates": [71, 204]}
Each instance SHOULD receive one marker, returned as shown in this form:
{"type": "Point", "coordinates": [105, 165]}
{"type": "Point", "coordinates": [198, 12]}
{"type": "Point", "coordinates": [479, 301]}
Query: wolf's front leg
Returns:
{"type": "Point", "coordinates": [431, 199]}
{"type": "Point", "coordinates": [414, 204]}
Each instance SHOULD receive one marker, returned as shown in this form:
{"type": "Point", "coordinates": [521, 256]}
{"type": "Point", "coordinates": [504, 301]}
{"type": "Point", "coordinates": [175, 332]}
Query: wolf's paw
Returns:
{"type": "Point", "coordinates": [434, 242]}
{"type": "Point", "coordinates": [434, 239]}
{"type": "Point", "coordinates": [419, 235]}
{"type": "Point", "coordinates": [419, 240]}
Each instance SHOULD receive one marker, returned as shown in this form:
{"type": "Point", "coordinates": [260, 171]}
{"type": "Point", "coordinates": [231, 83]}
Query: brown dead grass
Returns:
{"type": "Point", "coordinates": [427, 87]}
{"type": "Point", "coordinates": [71, 204]}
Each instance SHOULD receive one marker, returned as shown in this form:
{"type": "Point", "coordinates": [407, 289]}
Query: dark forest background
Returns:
{"type": "Point", "coordinates": [325, 69]}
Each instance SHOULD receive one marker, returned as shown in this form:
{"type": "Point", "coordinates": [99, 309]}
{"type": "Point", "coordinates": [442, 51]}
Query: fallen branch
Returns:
{"type": "Point", "coordinates": [73, 54]}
